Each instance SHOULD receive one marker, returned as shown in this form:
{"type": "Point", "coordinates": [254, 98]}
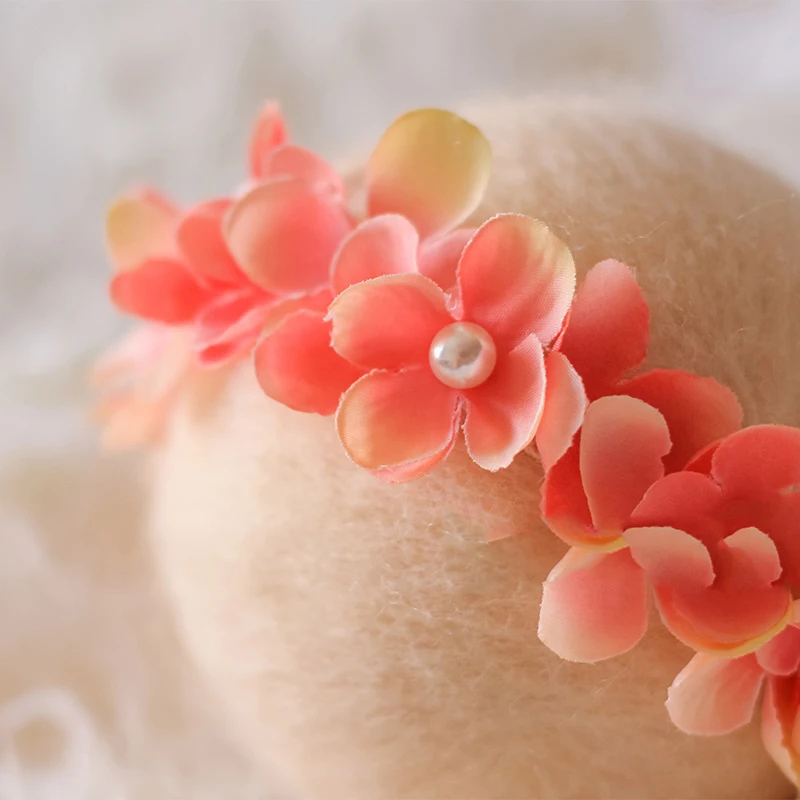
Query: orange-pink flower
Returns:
{"type": "Point", "coordinates": [434, 360]}
{"type": "Point", "coordinates": [181, 268]}
{"type": "Point", "coordinates": [721, 549]}
{"type": "Point", "coordinates": [724, 559]}
{"type": "Point", "coordinates": [714, 695]}
{"type": "Point", "coordinates": [426, 175]}
{"type": "Point", "coordinates": [137, 381]}
{"type": "Point", "coordinates": [635, 431]}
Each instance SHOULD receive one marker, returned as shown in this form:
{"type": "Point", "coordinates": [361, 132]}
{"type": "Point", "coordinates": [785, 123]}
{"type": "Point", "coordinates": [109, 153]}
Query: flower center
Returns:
{"type": "Point", "coordinates": [462, 355]}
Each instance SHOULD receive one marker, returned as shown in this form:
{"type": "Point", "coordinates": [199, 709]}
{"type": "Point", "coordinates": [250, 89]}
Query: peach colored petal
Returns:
{"type": "Point", "coordinates": [781, 654]}
{"type": "Point", "coordinates": [713, 696]}
{"type": "Point", "coordinates": [388, 322]}
{"type": "Point", "coordinates": [779, 723]}
{"type": "Point", "coordinates": [670, 556]}
{"type": "Point", "coordinates": [608, 327]}
{"type": "Point", "coordinates": [200, 239]}
{"type": "Point", "coordinates": [292, 161]}
{"type": "Point", "coordinates": [764, 458]}
{"type": "Point", "coordinates": [580, 618]}
{"type": "Point", "coordinates": [564, 408]}
{"type": "Point", "coordinates": [564, 506]}
{"type": "Point", "coordinates": [516, 278]}
{"type": "Point", "coordinates": [283, 235]}
{"type": "Point", "coordinates": [688, 501]}
{"type": "Point", "coordinates": [391, 419]}
{"type": "Point", "coordinates": [139, 228]}
{"type": "Point", "coordinates": [385, 245]}
{"type": "Point", "coordinates": [756, 555]}
{"type": "Point", "coordinates": [623, 441]}
{"type": "Point", "coordinates": [698, 410]}
{"type": "Point", "coordinates": [416, 469]}
{"type": "Point", "coordinates": [133, 425]}
{"type": "Point", "coordinates": [163, 291]}
{"type": "Point", "coordinates": [296, 366]}
{"type": "Point", "coordinates": [230, 325]}
{"type": "Point", "coordinates": [503, 413]}
{"type": "Point", "coordinates": [431, 166]}
{"type": "Point", "coordinates": [438, 258]}
{"type": "Point", "coordinates": [269, 132]}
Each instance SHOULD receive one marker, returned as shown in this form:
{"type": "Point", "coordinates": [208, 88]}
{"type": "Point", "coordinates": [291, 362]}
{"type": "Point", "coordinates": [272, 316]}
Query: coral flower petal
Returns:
{"type": "Point", "coordinates": [670, 556]}
{"type": "Point", "coordinates": [416, 469]}
{"type": "Point", "coordinates": [438, 258]}
{"type": "Point", "coordinates": [608, 327]}
{"type": "Point", "coordinates": [503, 413]}
{"type": "Point", "coordinates": [729, 622]}
{"type": "Point", "coordinates": [764, 458]}
{"type": "Point", "coordinates": [390, 419]}
{"type": "Point", "coordinates": [755, 556]}
{"type": "Point", "coordinates": [296, 365]}
{"type": "Point", "coordinates": [388, 322]}
{"type": "Point", "coordinates": [623, 442]}
{"type": "Point", "coordinates": [781, 654]}
{"type": "Point", "coordinates": [159, 290]}
{"type": "Point", "coordinates": [292, 161]}
{"type": "Point", "coordinates": [779, 724]}
{"type": "Point", "coordinates": [698, 410]}
{"type": "Point", "coordinates": [782, 520]}
{"type": "Point", "coordinates": [269, 132]}
{"type": "Point", "coordinates": [516, 278]}
{"type": "Point", "coordinates": [564, 506]}
{"type": "Point", "coordinates": [385, 245]}
{"type": "Point", "coordinates": [685, 500]}
{"type": "Point", "coordinates": [431, 166]}
{"type": "Point", "coordinates": [283, 234]}
{"type": "Point", "coordinates": [564, 408]}
{"type": "Point", "coordinates": [230, 325]}
{"type": "Point", "coordinates": [580, 619]}
{"type": "Point", "coordinates": [200, 239]}
{"type": "Point", "coordinates": [140, 228]}
{"type": "Point", "coordinates": [713, 696]}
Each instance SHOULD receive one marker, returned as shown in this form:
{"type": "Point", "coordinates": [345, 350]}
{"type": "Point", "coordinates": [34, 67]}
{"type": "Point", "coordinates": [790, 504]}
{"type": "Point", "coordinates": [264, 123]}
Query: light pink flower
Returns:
{"type": "Point", "coordinates": [434, 361]}
{"type": "Point", "coordinates": [426, 175]}
{"type": "Point", "coordinates": [137, 382]}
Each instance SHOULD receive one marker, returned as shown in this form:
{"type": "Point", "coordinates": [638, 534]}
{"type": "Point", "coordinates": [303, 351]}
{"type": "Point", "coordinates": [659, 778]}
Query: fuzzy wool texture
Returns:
{"type": "Point", "coordinates": [367, 639]}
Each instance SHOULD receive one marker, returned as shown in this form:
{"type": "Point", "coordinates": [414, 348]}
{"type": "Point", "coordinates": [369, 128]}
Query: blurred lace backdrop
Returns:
{"type": "Point", "coordinates": [96, 700]}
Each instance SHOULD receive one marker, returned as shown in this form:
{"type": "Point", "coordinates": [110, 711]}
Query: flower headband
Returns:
{"type": "Point", "coordinates": [414, 331]}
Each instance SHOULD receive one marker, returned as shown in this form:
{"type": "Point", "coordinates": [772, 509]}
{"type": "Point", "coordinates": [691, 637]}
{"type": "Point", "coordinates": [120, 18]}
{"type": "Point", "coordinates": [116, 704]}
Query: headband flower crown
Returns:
{"type": "Point", "coordinates": [414, 331]}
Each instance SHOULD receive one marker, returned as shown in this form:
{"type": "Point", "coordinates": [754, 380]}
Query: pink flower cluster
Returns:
{"type": "Point", "coordinates": [415, 331]}
{"type": "Point", "coordinates": [663, 492]}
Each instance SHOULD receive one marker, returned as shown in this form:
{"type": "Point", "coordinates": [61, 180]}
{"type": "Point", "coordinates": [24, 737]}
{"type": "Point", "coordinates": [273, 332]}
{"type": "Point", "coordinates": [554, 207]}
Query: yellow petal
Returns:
{"type": "Point", "coordinates": [140, 227]}
{"type": "Point", "coordinates": [431, 166]}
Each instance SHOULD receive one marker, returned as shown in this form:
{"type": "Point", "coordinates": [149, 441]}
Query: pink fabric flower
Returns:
{"type": "Point", "coordinates": [137, 382]}
{"type": "Point", "coordinates": [432, 358]}
{"type": "Point", "coordinates": [721, 549]}
{"type": "Point", "coordinates": [426, 175]}
{"type": "Point", "coordinates": [178, 268]}
{"type": "Point", "coordinates": [649, 426]}
{"type": "Point", "coordinates": [714, 696]}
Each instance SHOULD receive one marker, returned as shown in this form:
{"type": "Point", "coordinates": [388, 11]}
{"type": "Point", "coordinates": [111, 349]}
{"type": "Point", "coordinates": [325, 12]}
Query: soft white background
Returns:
{"type": "Point", "coordinates": [95, 698]}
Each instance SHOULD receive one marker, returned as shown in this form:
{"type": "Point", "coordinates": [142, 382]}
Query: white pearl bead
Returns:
{"type": "Point", "coordinates": [462, 355]}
